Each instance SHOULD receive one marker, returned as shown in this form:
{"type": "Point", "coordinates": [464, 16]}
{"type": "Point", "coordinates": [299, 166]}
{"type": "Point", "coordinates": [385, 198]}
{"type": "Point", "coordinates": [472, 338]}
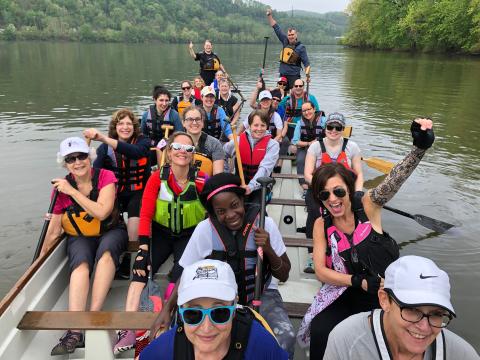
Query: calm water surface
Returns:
{"type": "Point", "coordinates": [49, 91]}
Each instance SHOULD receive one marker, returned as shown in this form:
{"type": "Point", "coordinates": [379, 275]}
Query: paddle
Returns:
{"type": "Point", "coordinates": [237, 150]}
{"type": "Point", "coordinates": [264, 181]}
{"type": "Point", "coordinates": [166, 129]}
{"type": "Point", "coordinates": [41, 239]}
{"type": "Point", "coordinates": [263, 64]}
{"type": "Point", "coordinates": [428, 222]}
{"type": "Point", "coordinates": [379, 164]}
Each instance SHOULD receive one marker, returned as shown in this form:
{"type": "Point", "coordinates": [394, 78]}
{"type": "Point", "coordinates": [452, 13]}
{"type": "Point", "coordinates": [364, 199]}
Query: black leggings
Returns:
{"type": "Point", "coordinates": [352, 301]}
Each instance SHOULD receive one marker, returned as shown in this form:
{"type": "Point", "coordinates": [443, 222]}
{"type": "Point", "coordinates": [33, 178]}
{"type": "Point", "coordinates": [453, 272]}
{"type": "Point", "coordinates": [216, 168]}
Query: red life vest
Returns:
{"type": "Point", "coordinates": [251, 158]}
{"type": "Point", "coordinates": [341, 159]}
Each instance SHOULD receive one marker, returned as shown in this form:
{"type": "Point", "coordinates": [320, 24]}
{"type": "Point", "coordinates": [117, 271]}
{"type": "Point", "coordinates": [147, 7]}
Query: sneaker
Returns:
{"type": "Point", "coordinates": [309, 266]}
{"type": "Point", "coordinates": [123, 272]}
{"type": "Point", "coordinates": [68, 343]}
{"type": "Point", "coordinates": [126, 341]}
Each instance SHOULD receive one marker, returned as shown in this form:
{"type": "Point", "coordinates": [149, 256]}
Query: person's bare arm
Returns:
{"type": "Point", "coordinates": [191, 51]}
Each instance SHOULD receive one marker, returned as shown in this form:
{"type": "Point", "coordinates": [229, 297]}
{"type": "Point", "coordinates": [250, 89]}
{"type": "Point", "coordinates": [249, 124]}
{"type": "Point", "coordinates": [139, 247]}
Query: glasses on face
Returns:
{"type": "Point", "coordinates": [218, 315]}
{"type": "Point", "coordinates": [70, 159]}
{"type": "Point", "coordinates": [276, 99]}
{"type": "Point", "coordinates": [186, 88]}
{"type": "Point", "coordinates": [185, 147]}
{"type": "Point", "coordinates": [298, 86]}
{"type": "Point", "coordinates": [413, 315]}
{"type": "Point", "coordinates": [193, 120]}
{"type": "Point", "coordinates": [282, 83]}
{"type": "Point", "coordinates": [334, 127]}
{"type": "Point", "coordinates": [306, 110]}
{"type": "Point", "coordinates": [338, 192]}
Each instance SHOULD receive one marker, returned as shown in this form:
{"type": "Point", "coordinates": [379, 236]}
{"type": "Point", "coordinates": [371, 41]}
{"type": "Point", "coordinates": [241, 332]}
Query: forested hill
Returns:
{"type": "Point", "coordinates": [223, 21]}
{"type": "Point", "coordinates": [425, 25]}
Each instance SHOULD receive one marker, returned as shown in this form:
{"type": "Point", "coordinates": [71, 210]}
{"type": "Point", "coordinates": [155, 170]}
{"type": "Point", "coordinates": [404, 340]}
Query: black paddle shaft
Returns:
{"type": "Point", "coordinates": [41, 239]}
{"type": "Point", "coordinates": [428, 222]}
{"type": "Point", "coordinates": [263, 64]}
{"type": "Point", "coordinates": [264, 181]}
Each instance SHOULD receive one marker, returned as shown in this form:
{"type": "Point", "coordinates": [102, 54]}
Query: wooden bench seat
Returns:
{"type": "Point", "coordinates": [109, 320]}
{"type": "Point", "coordinates": [287, 176]}
{"type": "Point", "coordinates": [291, 202]}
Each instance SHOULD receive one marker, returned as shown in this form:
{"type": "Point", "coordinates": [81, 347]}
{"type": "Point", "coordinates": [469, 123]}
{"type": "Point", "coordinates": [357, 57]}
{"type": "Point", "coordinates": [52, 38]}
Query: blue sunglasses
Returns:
{"type": "Point", "coordinates": [218, 315]}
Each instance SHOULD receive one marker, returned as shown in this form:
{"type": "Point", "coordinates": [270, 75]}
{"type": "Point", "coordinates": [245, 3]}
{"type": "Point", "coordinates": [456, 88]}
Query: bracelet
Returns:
{"type": "Point", "coordinates": [279, 266]}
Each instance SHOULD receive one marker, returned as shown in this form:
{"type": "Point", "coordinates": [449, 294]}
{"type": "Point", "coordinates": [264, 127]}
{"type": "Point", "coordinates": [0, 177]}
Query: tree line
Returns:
{"type": "Point", "coordinates": [168, 21]}
{"type": "Point", "coordinates": [420, 25]}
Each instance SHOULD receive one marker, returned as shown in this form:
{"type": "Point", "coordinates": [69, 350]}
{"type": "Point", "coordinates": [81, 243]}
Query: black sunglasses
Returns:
{"type": "Point", "coordinates": [282, 83]}
{"type": "Point", "coordinates": [336, 127]}
{"type": "Point", "coordinates": [298, 86]}
{"type": "Point", "coordinates": [338, 192]}
{"type": "Point", "coordinates": [186, 88]}
{"type": "Point", "coordinates": [70, 159]}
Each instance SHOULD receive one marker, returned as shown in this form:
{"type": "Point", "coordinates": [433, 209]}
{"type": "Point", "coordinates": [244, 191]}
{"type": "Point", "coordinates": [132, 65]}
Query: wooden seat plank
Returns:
{"type": "Point", "coordinates": [291, 202]}
{"type": "Point", "coordinates": [87, 320]}
{"type": "Point", "coordinates": [287, 176]}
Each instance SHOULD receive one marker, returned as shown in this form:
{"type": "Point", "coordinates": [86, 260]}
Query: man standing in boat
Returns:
{"type": "Point", "coordinates": [293, 53]}
{"type": "Point", "coordinates": [411, 324]}
{"type": "Point", "coordinates": [209, 61]}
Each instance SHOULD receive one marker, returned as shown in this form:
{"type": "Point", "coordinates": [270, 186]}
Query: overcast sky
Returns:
{"type": "Point", "coordinates": [320, 6]}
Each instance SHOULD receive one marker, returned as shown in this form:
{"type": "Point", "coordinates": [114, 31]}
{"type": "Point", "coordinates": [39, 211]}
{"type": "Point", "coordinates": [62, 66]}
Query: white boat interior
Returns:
{"type": "Point", "coordinates": [47, 290]}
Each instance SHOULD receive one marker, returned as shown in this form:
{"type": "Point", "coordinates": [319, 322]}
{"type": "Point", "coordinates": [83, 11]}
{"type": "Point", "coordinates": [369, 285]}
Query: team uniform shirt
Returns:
{"type": "Point", "coordinates": [261, 346]}
{"type": "Point", "coordinates": [351, 150]}
{"type": "Point", "coordinates": [265, 167]}
{"type": "Point", "coordinates": [150, 195]}
{"type": "Point", "coordinates": [105, 177]}
{"type": "Point", "coordinates": [200, 245]}
{"type": "Point", "coordinates": [353, 339]}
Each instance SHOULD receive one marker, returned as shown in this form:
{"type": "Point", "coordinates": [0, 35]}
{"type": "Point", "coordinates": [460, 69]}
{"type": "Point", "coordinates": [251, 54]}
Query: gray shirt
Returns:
{"type": "Point", "coordinates": [351, 150]}
{"type": "Point", "coordinates": [213, 149]}
{"type": "Point", "coordinates": [353, 339]}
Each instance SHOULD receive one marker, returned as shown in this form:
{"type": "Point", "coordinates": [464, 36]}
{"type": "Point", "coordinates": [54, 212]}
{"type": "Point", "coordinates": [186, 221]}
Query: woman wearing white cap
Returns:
{"type": "Point", "coordinates": [85, 210]}
{"type": "Point", "coordinates": [350, 248]}
{"type": "Point", "coordinates": [212, 326]}
{"type": "Point", "coordinates": [411, 324]}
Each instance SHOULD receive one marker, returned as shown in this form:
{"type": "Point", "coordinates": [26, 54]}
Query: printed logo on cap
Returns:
{"type": "Point", "coordinates": [207, 272]}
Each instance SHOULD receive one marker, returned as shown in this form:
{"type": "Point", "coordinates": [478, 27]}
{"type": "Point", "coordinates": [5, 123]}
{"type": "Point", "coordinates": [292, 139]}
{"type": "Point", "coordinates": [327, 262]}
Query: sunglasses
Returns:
{"type": "Point", "coordinates": [338, 192]}
{"type": "Point", "coordinates": [70, 159]}
{"type": "Point", "coordinates": [334, 127]}
{"type": "Point", "coordinates": [218, 315]}
{"type": "Point", "coordinates": [178, 147]}
{"type": "Point", "coordinates": [298, 86]}
{"type": "Point", "coordinates": [186, 88]}
{"type": "Point", "coordinates": [193, 120]}
{"type": "Point", "coordinates": [282, 83]}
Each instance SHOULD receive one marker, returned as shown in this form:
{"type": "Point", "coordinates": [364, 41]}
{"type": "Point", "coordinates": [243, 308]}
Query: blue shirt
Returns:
{"type": "Point", "coordinates": [221, 115]}
{"type": "Point", "coordinates": [300, 49]}
{"type": "Point", "coordinates": [298, 127]}
{"type": "Point", "coordinates": [261, 346]}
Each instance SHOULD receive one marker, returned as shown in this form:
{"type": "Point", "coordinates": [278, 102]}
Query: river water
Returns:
{"type": "Point", "coordinates": [49, 91]}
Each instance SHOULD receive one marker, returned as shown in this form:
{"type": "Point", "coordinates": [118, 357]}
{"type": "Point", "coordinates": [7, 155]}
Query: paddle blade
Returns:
{"type": "Point", "coordinates": [433, 224]}
{"type": "Point", "coordinates": [379, 164]}
{"type": "Point", "coordinates": [347, 132]}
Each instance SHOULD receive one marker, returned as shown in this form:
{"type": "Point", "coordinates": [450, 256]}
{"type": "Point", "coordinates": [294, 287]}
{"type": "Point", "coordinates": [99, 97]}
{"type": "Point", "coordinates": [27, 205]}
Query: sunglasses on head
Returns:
{"type": "Point", "coordinates": [298, 86]}
{"type": "Point", "coordinates": [70, 159]}
{"type": "Point", "coordinates": [187, 148]}
{"type": "Point", "coordinates": [186, 88]}
{"type": "Point", "coordinates": [338, 192]}
{"type": "Point", "coordinates": [218, 315]}
{"type": "Point", "coordinates": [334, 127]}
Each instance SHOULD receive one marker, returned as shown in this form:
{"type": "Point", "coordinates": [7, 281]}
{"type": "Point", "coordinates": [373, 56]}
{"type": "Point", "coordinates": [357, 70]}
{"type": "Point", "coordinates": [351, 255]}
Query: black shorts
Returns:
{"type": "Point", "coordinates": [130, 203]}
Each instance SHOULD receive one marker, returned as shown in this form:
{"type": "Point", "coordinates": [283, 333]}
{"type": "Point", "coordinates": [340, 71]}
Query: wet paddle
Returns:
{"type": "Point", "coordinates": [264, 181]}
{"type": "Point", "coordinates": [383, 166]}
{"type": "Point", "coordinates": [41, 239]}
{"type": "Point", "coordinates": [425, 221]}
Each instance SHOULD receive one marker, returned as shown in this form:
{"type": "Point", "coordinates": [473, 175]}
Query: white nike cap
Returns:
{"type": "Point", "coordinates": [418, 281]}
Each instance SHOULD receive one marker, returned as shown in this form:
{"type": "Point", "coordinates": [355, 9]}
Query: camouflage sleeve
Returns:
{"type": "Point", "coordinates": [395, 179]}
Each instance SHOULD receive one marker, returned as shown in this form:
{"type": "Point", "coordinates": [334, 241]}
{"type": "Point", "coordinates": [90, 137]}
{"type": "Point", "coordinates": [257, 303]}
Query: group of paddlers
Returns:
{"type": "Point", "coordinates": [202, 205]}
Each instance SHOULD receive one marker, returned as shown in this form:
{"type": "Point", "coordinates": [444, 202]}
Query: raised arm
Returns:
{"type": "Point", "coordinates": [191, 51]}
{"type": "Point", "coordinates": [270, 18]}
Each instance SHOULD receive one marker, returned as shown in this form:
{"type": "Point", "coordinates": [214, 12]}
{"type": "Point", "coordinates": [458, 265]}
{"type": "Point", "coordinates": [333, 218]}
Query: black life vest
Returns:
{"type": "Point", "coordinates": [312, 130]}
{"type": "Point", "coordinates": [77, 222]}
{"type": "Point", "coordinates": [241, 325]}
{"type": "Point", "coordinates": [226, 105]}
{"type": "Point", "coordinates": [292, 109]}
{"type": "Point", "coordinates": [154, 126]}
{"type": "Point", "coordinates": [240, 252]}
{"type": "Point", "coordinates": [212, 124]}
{"type": "Point", "coordinates": [365, 251]}
{"type": "Point", "coordinates": [132, 174]}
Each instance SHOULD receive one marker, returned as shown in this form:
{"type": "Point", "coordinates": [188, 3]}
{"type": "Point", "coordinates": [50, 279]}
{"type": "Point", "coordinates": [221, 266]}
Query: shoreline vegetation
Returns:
{"type": "Point", "coordinates": [442, 26]}
{"type": "Point", "coordinates": [168, 21]}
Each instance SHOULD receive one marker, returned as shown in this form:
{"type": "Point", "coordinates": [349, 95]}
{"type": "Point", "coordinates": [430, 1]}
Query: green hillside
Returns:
{"type": "Point", "coordinates": [168, 21]}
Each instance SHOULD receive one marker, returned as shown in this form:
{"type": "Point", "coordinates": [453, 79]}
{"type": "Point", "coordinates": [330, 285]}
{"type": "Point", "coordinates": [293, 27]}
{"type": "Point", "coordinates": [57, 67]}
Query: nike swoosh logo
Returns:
{"type": "Point", "coordinates": [427, 276]}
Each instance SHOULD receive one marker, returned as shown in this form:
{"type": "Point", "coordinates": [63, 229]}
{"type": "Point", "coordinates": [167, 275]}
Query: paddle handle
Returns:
{"type": "Point", "coordinates": [43, 233]}
{"type": "Point", "coordinates": [166, 129]}
{"type": "Point", "coordinates": [399, 212]}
